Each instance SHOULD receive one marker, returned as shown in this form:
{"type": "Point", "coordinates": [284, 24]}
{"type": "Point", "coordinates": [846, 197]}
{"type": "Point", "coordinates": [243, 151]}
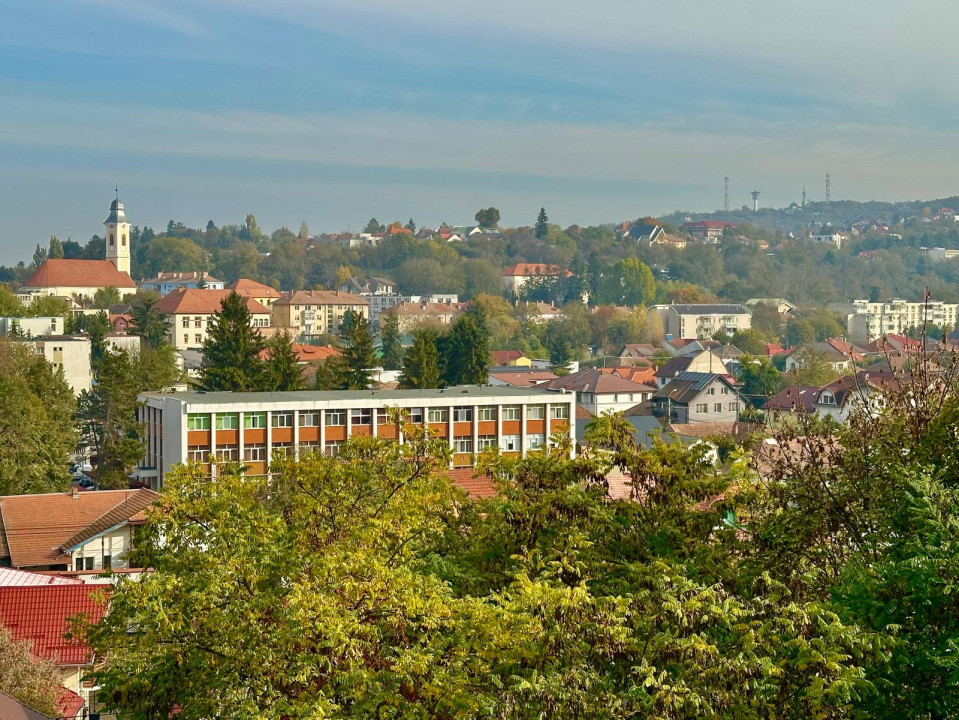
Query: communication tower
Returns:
{"type": "Point", "coordinates": [755, 194]}
{"type": "Point", "coordinates": [726, 197]}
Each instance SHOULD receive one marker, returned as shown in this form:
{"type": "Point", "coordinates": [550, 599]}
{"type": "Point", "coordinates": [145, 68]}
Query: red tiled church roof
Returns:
{"type": "Point", "coordinates": [60, 272]}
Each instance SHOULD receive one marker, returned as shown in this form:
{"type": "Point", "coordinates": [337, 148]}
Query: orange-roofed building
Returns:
{"type": "Point", "coordinates": [189, 314]}
{"type": "Point", "coordinates": [82, 532]}
{"type": "Point", "coordinates": [263, 294]}
{"type": "Point", "coordinates": [515, 277]}
{"type": "Point", "coordinates": [41, 615]}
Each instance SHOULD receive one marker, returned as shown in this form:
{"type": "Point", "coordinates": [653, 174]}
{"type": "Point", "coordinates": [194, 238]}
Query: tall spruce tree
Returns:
{"type": "Point", "coordinates": [392, 348]}
{"type": "Point", "coordinates": [541, 230]}
{"type": "Point", "coordinates": [231, 353]}
{"type": "Point", "coordinates": [465, 352]}
{"type": "Point", "coordinates": [283, 369]}
{"type": "Point", "coordinates": [421, 364]}
{"type": "Point", "coordinates": [358, 357]}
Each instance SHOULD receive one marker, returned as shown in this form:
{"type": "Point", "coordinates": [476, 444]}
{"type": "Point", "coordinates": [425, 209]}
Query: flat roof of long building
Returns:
{"type": "Point", "coordinates": [454, 393]}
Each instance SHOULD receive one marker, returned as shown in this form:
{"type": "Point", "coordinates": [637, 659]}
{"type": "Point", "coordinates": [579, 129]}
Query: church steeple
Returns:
{"type": "Point", "coordinates": [118, 236]}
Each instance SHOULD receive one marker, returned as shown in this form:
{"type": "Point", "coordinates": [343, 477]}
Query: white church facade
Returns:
{"type": "Point", "coordinates": [70, 278]}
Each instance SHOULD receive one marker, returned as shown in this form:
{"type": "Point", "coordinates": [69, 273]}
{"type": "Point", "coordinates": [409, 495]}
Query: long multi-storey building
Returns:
{"type": "Point", "coordinates": [253, 427]}
{"type": "Point", "coordinates": [867, 321]}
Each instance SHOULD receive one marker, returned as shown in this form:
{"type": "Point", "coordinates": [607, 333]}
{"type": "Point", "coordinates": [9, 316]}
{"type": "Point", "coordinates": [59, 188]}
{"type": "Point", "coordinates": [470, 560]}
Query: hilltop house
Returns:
{"type": "Point", "coordinates": [701, 321]}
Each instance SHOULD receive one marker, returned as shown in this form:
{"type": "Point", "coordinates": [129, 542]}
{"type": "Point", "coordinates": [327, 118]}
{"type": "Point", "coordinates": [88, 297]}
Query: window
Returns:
{"type": "Point", "coordinates": [718, 407]}
{"type": "Point", "coordinates": [485, 441]}
{"type": "Point", "coordinates": [198, 338]}
{"type": "Point", "coordinates": [733, 407]}
{"type": "Point", "coordinates": [309, 418]}
{"type": "Point", "coordinates": [332, 448]}
{"type": "Point", "coordinates": [463, 445]}
{"type": "Point", "coordinates": [462, 414]}
{"type": "Point", "coordinates": [702, 407]}
{"type": "Point", "coordinates": [186, 322]}
{"type": "Point", "coordinates": [534, 441]}
{"type": "Point", "coordinates": [186, 338]}
{"type": "Point", "coordinates": [111, 239]}
{"type": "Point", "coordinates": [416, 415]}
{"type": "Point", "coordinates": [486, 413]}
{"type": "Point", "coordinates": [107, 562]}
{"type": "Point", "coordinates": [438, 415]}
{"type": "Point", "coordinates": [724, 390]}
{"type": "Point", "coordinates": [282, 419]}
{"type": "Point", "coordinates": [82, 563]}
{"type": "Point", "coordinates": [309, 446]}
{"type": "Point", "coordinates": [254, 453]}
{"type": "Point", "coordinates": [227, 421]}
{"type": "Point", "coordinates": [711, 391]}
{"type": "Point", "coordinates": [196, 421]}
{"type": "Point", "coordinates": [381, 417]}
{"type": "Point", "coordinates": [361, 416]}
{"type": "Point", "coordinates": [335, 417]}
{"type": "Point", "coordinates": [228, 453]}
{"type": "Point", "coordinates": [254, 420]}
{"type": "Point", "coordinates": [197, 323]}
{"type": "Point", "coordinates": [282, 449]}
{"type": "Point", "coordinates": [511, 412]}
{"type": "Point", "coordinates": [559, 412]}
{"type": "Point", "coordinates": [197, 453]}
{"type": "Point", "coordinates": [535, 412]}
{"type": "Point", "coordinates": [510, 443]}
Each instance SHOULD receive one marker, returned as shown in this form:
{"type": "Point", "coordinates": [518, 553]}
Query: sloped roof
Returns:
{"type": "Point", "coordinates": [686, 386]}
{"type": "Point", "coordinates": [794, 398]}
{"type": "Point", "coordinates": [132, 510]}
{"type": "Point", "coordinates": [503, 357]}
{"type": "Point", "coordinates": [11, 709]}
{"type": "Point", "coordinates": [595, 381]}
{"type": "Point", "coordinates": [522, 377]}
{"type": "Point", "coordinates": [638, 350]}
{"type": "Point", "coordinates": [60, 272]}
{"type": "Point", "coordinates": [321, 297]}
{"type": "Point", "coordinates": [37, 527]}
{"type": "Point", "coordinates": [525, 269]}
{"type": "Point", "coordinates": [11, 577]}
{"type": "Point", "coordinates": [478, 486]}
{"type": "Point", "coordinates": [180, 277]}
{"type": "Point", "coordinates": [201, 302]}
{"type": "Point", "coordinates": [252, 288]}
{"type": "Point", "coordinates": [710, 309]}
{"type": "Point", "coordinates": [41, 614]}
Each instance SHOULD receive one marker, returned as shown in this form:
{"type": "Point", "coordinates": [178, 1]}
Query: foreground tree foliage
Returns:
{"type": "Point", "coordinates": [36, 423]}
{"type": "Point", "coordinates": [34, 682]}
{"type": "Point", "coordinates": [368, 586]}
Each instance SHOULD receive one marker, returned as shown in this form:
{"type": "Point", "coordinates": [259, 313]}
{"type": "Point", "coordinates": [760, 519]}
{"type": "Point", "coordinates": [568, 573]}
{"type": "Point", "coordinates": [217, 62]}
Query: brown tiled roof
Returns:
{"type": "Point", "coordinates": [321, 297]}
{"type": "Point", "coordinates": [59, 272]}
{"type": "Point", "coordinates": [477, 486]}
{"type": "Point", "coordinates": [523, 379]}
{"type": "Point", "coordinates": [184, 277]}
{"type": "Point", "coordinates": [595, 380]}
{"type": "Point", "coordinates": [130, 510]}
{"type": "Point", "coordinates": [525, 269]}
{"type": "Point", "coordinates": [503, 357]}
{"type": "Point", "coordinates": [251, 288]}
{"type": "Point", "coordinates": [37, 526]}
{"type": "Point", "coordinates": [799, 398]}
{"type": "Point", "coordinates": [201, 302]}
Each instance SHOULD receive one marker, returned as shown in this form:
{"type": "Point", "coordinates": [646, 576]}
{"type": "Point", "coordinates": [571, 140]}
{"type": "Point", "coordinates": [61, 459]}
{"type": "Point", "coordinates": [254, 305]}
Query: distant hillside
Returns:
{"type": "Point", "coordinates": [840, 213]}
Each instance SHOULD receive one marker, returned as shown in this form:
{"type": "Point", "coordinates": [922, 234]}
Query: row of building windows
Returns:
{"type": "Point", "coordinates": [717, 407]}
{"type": "Point", "coordinates": [364, 416]}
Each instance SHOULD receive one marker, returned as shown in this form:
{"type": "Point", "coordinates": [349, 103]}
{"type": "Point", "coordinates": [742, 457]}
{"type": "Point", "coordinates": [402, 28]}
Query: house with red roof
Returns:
{"type": "Point", "coordinates": [43, 616]}
{"type": "Point", "coordinates": [516, 277]}
{"type": "Point", "coordinates": [263, 294]}
{"type": "Point", "coordinates": [86, 533]}
{"type": "Point", "coordinates": [708, 231]}
{"type": "Point", "coordinates": [599, 391]}
{"type": "Point", "coordinates": [189, 314]}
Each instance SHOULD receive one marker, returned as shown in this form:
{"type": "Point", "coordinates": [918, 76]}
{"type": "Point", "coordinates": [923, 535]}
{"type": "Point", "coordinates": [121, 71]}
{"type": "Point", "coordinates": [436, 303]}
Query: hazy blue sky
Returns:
{"type": "Point", "coordinates": [331, 111]}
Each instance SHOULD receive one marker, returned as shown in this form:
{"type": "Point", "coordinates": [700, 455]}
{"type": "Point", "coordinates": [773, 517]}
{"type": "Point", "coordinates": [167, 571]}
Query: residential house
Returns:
{"type": "Point", "coordinates": [649, 233]}
{"type": "Point", "coordinates": [369, 286]}
{"type": "Point", "coordinates": [41, 615]}
{"type": "Point", "coordinates": [638, 351]}
{"type": "Point", "coordinates": [509, 358]}
{"type": "Point", "coordinates": [599, 391]}
{"type": "Point", "coordinates": [782, 305]}
{"type": "Point", "coordinates": [165, 283]}
{"type": "Point", "coordinates": [410, 316]}
{"type": "Point", "coordinates": [689, 321]}
{"type": "Point", "coordinates": [381, 303]}
{"type": "Point", "coordinates": [518, 376]}
{"type": "Point", "coordinates": [70, 353]}
{"type": "Point", "coordinates": [938, 254]}
{"type": "Point", "coordinates": [792, 399]}
{"type": "Point", "coordinates": [705, 361]}
{"type": "Point", "coordinates": [122, 323]}
{"type": "Point", "coordinates": [695, 397]}
{"type": "Point", "coordinates": [82, 532]}
{"type": "Point", "coordinates": [516, 277]}
{"type": "Point", "coordinates": [707, 231]}
{"type": "Point", "coordinates": [28, 327]}
{"type": "Point", "coordinates": [829, 238]}
{"type": "Point", "coordinates": [253, 427]}
{"type": "Point", "coordinates": [190, 313]}
{"type": "Point", "coordinates": [263, 294]}
{"type": "Point", "coordinates": [311, 313]}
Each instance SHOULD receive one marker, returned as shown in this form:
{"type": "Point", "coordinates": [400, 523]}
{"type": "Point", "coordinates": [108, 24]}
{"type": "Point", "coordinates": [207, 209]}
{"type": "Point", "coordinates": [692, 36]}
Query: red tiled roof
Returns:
{"type": "Point", "coordinates": [70, 704]}
{"type": "Point", "coordinates": [310, 353]}
{"type": "Point", "coordinates": [11, 577]}
{"type": "Point", "coordinates": [523, 379]}
{"type": "Point", "coordinates": [40, 615]}
{"type": "Point", "coordinates": [717, 224]}
{"type": "Point", "coordinates": [478, 487]}
{"type": "Point", "coordinates": [37, 527]}
{"type": "Point", "coordinates": [524, 269]}
{"type": "Point", "coordinates": [59, 272]}
{"type": "Point", "coordinates": [504, 357]}
{"type": "Point", "coordinates": [251, 288]}
{"type": "Point", "coordinates": [201, 302]}
{"type": "Point", "coordinates": [596, 381]}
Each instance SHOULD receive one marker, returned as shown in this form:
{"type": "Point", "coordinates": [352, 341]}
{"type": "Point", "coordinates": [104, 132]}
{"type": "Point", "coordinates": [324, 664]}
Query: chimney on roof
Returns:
{"type": "Point", "coordinates": [75, 492]}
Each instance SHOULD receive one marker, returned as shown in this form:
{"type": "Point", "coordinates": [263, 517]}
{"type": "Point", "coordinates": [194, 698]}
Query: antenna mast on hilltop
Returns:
{"type": "Point", "coordinates": [803, 197]}
{"type": "Point", "coordinates": [726, 197]}
{"type": "Point", "coordinates": [827, 187]}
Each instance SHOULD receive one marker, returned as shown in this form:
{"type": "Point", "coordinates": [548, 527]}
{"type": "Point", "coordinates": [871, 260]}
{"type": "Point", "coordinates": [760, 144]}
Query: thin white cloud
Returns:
{"type": "Point", "coordinates": [153, 13]}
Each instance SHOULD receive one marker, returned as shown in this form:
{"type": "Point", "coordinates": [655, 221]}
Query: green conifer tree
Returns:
{"type": "Point", "coordinates": [282, 364]}
{"type": "Point", "coordinates": [465, 353]}
{"type": "Point", "coordinates": [231, 353]}
{"type": "Point", "coordinates": [358, 357]}
{"type": "Point", "coordinates": [392, 348]}
{"type": "Point", "coordinates": [421, 364]}
{"type": "Point", "coordinates": [541, 230]}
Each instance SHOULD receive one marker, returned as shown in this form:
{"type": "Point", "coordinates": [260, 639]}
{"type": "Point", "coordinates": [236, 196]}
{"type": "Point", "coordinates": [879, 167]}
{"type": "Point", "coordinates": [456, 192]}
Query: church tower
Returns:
{"type": "Point", "coordinates": [118, 237]}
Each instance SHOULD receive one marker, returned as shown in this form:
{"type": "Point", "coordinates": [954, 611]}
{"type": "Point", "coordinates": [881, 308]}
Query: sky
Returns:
{"type": "Point", "coordinates": [333, 111]}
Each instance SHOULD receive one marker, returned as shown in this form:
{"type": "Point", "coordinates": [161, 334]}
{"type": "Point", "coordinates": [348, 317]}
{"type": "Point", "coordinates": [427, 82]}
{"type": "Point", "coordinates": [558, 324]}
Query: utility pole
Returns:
{"type": "Point", "coordinates": [726, 198]}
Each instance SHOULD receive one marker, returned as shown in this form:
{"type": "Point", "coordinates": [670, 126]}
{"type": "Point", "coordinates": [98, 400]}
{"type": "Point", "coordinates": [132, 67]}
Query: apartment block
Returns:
{"type": "Point", "coordinates": [255, 427]}
{"type": "Point", "coordinates": [701, 321]}
{"type": "Point", "coordinates": [867, 321]}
